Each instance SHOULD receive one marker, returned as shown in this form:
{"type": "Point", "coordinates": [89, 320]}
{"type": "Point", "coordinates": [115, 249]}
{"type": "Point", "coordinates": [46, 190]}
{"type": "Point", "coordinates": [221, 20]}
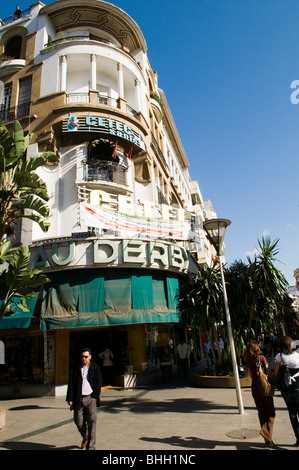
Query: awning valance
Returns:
{"type": "Point", "coordinates": [96, 297]}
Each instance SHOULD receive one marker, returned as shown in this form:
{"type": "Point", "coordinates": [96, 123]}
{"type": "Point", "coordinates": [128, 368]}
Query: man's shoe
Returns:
{"type": "Point", "coordinates": [84, 444]}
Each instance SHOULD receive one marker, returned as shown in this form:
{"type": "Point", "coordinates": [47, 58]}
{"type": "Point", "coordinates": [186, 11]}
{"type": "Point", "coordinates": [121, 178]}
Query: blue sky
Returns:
{"type": "Point", "coordinates": [226, 67]}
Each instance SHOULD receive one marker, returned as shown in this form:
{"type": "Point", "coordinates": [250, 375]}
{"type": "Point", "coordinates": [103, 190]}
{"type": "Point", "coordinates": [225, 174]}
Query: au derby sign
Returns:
{"type": "Point", "coordinates": [110, 252]}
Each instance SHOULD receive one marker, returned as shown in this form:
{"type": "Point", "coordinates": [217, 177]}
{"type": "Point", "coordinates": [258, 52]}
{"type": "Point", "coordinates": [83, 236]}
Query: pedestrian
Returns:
{"type": "Point", "coordinates": [83, 396]}
{"type": "Point", "coordinates": [18, 13]}
{"type": "Point", "coordinates": [107, 366]}
{"type": "Point", "coordinates": [288, 356]}
{"type": "Point", "coordinates": [264, 405]}
{"type": "Point", "coordinates": [183, 350]}
{"type": "Point", "coordinates": [274, 340]}
{"type": "Point", "coordinates": [207, 353]}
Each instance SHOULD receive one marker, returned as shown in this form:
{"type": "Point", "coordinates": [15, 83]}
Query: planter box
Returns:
{"type": "Point", "coordinates": [211, 381]}
{"type": "Point", "coordinates": [135, 380]}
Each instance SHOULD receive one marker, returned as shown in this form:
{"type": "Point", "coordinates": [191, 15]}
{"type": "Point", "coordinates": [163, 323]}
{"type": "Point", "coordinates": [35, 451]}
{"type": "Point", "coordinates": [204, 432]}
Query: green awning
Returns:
{"type": "Point", "coordinates": [97, 297]}
{"type": "Point", "coordinates": [18, 319]}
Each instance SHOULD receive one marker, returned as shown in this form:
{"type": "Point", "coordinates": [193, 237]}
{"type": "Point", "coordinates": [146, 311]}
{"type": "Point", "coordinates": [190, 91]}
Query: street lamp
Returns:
{"type": "Point", "coordinates": [215, 230]}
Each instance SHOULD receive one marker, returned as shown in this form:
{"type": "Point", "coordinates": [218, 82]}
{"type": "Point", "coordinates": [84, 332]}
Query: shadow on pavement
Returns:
{"type": "Point", "coordinates": [11, 445]}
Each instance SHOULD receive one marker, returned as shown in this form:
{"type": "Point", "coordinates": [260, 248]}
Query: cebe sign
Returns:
{"type": "Point", "coordinates": [103, 125]}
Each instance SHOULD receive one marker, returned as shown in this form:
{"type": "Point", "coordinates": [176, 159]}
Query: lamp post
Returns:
{"type": "Point", "coordinates": [215, 230]}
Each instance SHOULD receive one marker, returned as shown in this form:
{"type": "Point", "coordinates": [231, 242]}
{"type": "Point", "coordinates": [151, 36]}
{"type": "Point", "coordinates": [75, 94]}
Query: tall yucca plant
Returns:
{"type": "Point", "coordinates": [269, 298]}
{"type": "Point", "coordinates": [257, 294]}
{"type": "Point", "coordinates": [23, 194]}
{"type": "Point", "coordinates": [201, 300]}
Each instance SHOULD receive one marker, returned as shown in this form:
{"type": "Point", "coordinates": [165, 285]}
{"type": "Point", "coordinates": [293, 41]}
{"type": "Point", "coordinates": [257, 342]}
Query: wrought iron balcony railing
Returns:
{"type": "Point", "coordinates": [14, 16]}
{"type": "Point", "coordinates": [102, 99]}
{"type": "Point", "coordinates": [105, 171]}
{"type": "Point", "coordinates": [15, 113]}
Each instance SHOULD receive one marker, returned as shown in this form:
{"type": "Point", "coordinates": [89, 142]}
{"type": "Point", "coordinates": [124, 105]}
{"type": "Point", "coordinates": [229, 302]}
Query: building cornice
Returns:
{"type": "Point", "coordinates": [66, 14]}
{"type": "Point", "coordinates": [169, 124]}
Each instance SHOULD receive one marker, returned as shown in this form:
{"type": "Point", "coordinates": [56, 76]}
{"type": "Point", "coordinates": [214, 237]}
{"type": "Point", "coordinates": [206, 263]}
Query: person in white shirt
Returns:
{"type": "Point", "coordinates": [107, 366]}
{"type": "Point", "coordinates": [290, 394]}
{"type": "Point", "coordinates": [83, 395]}
{"type": "Point", "coordinates": [183, 350]}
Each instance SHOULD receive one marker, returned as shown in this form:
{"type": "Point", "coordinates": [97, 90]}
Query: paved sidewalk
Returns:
{"type": "Point", "coordinates": [169, 416]}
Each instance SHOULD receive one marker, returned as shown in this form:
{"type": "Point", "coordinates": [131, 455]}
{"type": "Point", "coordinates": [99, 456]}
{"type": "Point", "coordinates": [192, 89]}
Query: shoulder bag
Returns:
{"type": "Point", "coordinates": [265, 388]}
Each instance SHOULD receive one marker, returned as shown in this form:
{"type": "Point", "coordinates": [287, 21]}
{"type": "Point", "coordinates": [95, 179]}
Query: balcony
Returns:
{"type": "Point", "coordinates": [105, 171]}
{"type": "Point", "coordinates": [158, 151]}
{"type": "Point", "coordinates": [15, 113]}
{"type": "Point", "coordinates": [91, 38]}
{"type": "Point", "coordinates": [79, 98]}
{"type": "Point", "coordinates": [14, 17]}
{"type": "Point", "coordinates": [10, 65]}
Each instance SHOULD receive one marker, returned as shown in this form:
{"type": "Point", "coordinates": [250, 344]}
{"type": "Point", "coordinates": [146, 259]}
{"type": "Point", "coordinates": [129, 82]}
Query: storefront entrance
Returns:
{"type": "Point", "coordinates": [98, 339]}
{"type": "Point", "coordinates": [146, 349]}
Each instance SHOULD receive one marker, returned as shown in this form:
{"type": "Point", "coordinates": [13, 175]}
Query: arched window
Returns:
{"type": "Point", "coordinates": [106, 162]}
{"type": "Point", "coordinates": [102, 150]}
{"type": "Point", "coordinates": [13, 47]}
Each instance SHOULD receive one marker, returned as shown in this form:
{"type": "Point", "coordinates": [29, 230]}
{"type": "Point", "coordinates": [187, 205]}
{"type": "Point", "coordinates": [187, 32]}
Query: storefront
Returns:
{"type": "Point", "coordinates": [132, 311]}
{"type": "Point", "coordinates": [24, 359]}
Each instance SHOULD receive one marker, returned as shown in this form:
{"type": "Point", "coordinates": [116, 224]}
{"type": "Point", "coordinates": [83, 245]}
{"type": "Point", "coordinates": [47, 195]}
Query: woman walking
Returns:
{"type": "Point", "coordinates": [264, 405]}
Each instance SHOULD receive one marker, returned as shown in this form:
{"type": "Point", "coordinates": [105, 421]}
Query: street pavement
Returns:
{"type": "Point", "coordinates": [170, 415]}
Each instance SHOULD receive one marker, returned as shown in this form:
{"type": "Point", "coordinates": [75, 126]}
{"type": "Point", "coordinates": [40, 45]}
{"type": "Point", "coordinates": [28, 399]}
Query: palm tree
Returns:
{"type": "Point", "coordinates": [201, 301]}
{"type": "Point", "coordinates": [22, 192]}
{"type": "Point", "coordinates": [269, 297]}
{"type": "Point", "coordinates": [257, 294]}
{"type": "Point", "coordinates": [238, 294]}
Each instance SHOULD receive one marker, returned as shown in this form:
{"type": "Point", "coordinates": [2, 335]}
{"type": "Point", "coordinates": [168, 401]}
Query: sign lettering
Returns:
{"type": "Point", "coordinates": [147, 254]}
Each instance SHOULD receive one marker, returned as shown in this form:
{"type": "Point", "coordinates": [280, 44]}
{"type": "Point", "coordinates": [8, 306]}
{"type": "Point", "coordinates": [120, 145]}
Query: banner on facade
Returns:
{"type": "Point", "coordinates": [99, 217]}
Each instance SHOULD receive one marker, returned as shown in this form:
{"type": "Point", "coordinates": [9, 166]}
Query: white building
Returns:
{"type": "Point", "coordinates": [125, 216]}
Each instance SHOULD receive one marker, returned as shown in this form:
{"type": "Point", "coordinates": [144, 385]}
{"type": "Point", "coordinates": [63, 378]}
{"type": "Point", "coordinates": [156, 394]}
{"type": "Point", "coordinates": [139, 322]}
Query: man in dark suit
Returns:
{"type": "Point", "coordinates": [83, 395]}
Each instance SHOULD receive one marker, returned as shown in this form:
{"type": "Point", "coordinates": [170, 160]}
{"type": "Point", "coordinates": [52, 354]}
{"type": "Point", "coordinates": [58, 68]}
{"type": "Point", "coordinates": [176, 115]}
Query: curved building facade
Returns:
{"type": "Point", "coordinates": [125, 215]}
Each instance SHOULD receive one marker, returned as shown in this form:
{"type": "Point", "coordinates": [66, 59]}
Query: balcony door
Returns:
{"type": "Point", "coordinates": [24, 98]}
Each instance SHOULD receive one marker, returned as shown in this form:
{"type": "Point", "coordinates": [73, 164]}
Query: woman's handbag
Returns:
{"type": "Point", "coordinates": [284, 376]}
{"type": "Point", "coordinates": [265, 388]}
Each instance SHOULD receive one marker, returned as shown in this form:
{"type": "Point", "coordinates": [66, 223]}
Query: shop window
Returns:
{"type": "Point", "coordinates": [24, 360]}
{"type": "Point", "coordinates": [13, 47]}
{"type": "Point", "coordinates": [159, 346]}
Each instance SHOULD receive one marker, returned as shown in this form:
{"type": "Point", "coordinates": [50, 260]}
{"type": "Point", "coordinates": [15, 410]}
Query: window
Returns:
{"type": "Point", "coordinates": [105, 162]}
{"type": "Point", "coordinates": [5, 105]}
{"type": "Point", "coordinates": [24, 98]}
{"type": "Point", "coordinates": [13, 47]}
{"type": "Point", "coordinates": [101, 149]}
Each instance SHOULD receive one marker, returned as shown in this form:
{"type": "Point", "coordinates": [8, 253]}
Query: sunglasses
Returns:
{"type": "Point", "coordinates": [85, 357]}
